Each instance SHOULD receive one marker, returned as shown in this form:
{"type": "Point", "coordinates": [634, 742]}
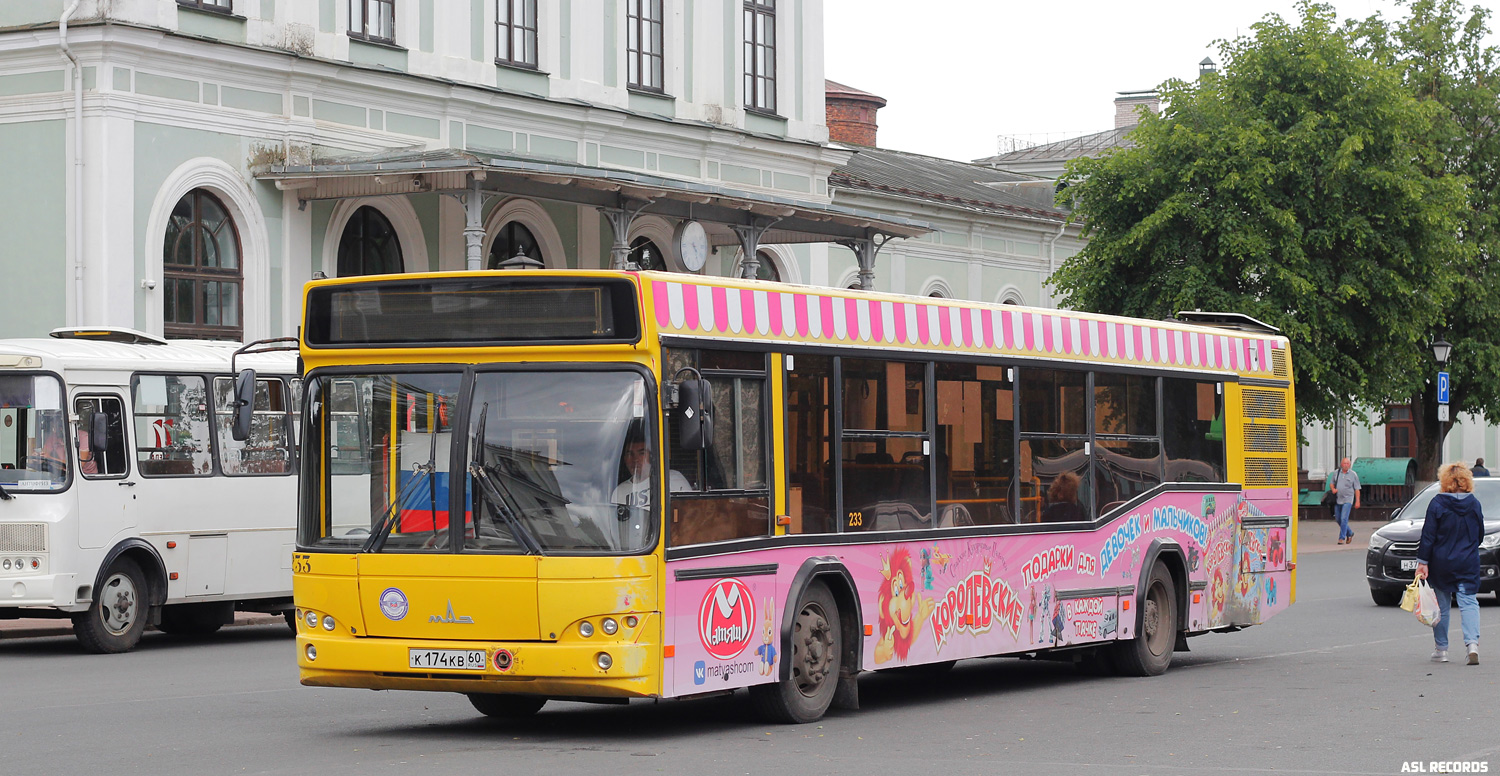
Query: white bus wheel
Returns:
{"type": "Point", "coordinates": [117, 617]}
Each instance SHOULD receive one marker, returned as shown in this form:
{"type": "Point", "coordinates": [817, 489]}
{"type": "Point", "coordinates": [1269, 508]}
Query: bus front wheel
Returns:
{"type": "Point", "coordinates": [506, 706]}
{"type": "Point", "coordinates": [1150, 652]}
{"type": "Point", "coordinates": [117, 617]}
{"type": "Point", "coordinates": [815, 655]}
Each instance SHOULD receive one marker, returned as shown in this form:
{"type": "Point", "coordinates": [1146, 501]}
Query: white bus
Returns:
{"type": "Point", "coordinates": [124, 501]}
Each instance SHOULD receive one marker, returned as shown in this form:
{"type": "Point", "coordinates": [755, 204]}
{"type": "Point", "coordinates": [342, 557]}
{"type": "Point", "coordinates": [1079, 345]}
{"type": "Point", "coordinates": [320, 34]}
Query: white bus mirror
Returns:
{"type": "Point", "coordinates": [244, 405]}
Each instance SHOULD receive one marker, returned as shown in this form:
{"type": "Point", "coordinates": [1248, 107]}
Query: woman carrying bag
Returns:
{"type": "Point", "coordinates": [1448, 556]}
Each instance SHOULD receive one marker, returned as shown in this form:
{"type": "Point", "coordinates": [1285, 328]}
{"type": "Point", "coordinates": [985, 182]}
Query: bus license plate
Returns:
{"type": "Point", "coordinates": [448, 659]}
{"type": "Point", "coordinates": [1409, 565]}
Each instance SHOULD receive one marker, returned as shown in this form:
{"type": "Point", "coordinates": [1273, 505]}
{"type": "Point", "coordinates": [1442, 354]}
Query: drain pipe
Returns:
{"type": "Point", "coordinates": [1052, 256]}
{"type": "Point", "coordinates": [77, 195]}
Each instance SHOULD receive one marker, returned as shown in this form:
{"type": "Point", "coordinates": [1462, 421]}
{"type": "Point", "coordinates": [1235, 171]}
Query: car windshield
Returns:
{"type": "Point", "coordinates": [34, 438]}
{"type": "Point", "coordinates": [1486, 490]}
{"type": "Point", "coordinates": [550, 461]}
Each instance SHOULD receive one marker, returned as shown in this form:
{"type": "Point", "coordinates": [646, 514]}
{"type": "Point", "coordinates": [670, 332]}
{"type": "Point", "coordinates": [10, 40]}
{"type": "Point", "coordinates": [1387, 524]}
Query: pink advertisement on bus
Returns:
{"type": "Point", "coordinates": [939, 599]}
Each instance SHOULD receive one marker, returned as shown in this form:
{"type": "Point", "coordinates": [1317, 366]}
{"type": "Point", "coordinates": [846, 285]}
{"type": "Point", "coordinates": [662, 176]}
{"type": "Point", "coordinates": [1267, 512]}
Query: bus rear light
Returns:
{"type": "Point", "coordinates": [604, 661]}
{"type": "Point", "coordinates": [504, 660]}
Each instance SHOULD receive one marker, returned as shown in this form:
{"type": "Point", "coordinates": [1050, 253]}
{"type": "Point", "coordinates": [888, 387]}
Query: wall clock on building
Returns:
{"type": "Point", "coordinates": [692, 245]}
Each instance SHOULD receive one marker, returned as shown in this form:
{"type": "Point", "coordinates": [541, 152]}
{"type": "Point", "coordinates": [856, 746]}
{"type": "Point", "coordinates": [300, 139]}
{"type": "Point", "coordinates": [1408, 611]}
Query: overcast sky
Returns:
{"type": "Point", "coordinates": [958, 73]}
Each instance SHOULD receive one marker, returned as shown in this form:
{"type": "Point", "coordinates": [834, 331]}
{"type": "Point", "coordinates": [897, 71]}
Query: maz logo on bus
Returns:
{"type": "Point", "coordinates": [726, 619]}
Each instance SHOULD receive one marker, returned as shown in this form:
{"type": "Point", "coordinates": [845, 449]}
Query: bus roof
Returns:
{"type": "Point", "coordinates": [62, 355]}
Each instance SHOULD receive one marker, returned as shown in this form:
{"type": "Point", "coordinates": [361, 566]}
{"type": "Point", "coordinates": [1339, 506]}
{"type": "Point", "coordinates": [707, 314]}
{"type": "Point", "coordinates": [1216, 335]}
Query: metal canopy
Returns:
{"type": "Point", "coordinates": [457, 172]}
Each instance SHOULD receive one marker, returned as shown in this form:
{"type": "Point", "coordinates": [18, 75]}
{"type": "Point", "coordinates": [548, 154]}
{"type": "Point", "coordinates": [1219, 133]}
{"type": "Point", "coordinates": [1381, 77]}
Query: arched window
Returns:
{"type": "Point", "coordinates": [646, 255]}
{"type": "Point", "coordinates": [201, 271]}
{"type": "Point", "coordinates": [513, 239]}
{"type": "Point", "coordinates": [369, 245]}
{"type": "Point", "coordinates": [766, 269]}
{"type": "Point", "coordinates": [936, 295]}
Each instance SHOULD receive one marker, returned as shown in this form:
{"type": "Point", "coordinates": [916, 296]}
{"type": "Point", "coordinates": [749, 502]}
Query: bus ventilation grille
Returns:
{"type": "Point", "coordinates": [1268, 405]}
{"type": "Point", "coordinates": [23, 537]}
{"type": "Point", "coordinates": [1278, 363]}
{"type": "Point", "coordinates": [1265, 439]}
{"type": "Point", "coordinates": [1266, 473]}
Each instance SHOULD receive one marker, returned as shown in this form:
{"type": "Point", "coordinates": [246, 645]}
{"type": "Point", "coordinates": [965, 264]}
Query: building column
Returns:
{"type": "Point", "coordinates": [750, 235]}
{"type": "Point", "coordinates": [473, 202]}
{"type": "Point", "coordinates": [865, 250]}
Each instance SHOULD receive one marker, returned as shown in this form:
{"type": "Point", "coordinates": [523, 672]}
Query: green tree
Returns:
{"type": "Point", "coordinates": [1438, 49]}
{"type": "Point", "coordinates": [1303, 185]}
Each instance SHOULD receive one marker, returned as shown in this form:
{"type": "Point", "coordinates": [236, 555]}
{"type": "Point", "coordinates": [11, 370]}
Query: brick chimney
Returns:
{"type": "Point", "coordinates": [851, 114]}
{"type": "Point", "coordinates": [1128, 104]}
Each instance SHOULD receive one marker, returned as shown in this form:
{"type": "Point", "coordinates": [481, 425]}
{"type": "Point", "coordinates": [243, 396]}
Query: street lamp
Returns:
{"type": "Point", "coordinates": [1440, 351]}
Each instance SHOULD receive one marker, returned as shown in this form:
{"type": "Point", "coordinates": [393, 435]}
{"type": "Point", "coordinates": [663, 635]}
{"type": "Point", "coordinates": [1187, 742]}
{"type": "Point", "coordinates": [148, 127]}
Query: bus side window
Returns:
{"type": "Point", "coordinates": [107, 459]}
{"type": "Point", "coordinates": [1194, 434]}
{"type": "Point", "coordinates": [976, 445]}
{"type": "Point", "coordinates": [269, 448]}
{"type": "Point", "coordinates": [809, 438]}
{"type": "Point", "coordinates": [171, 426]}
{"type": "Point", "coordinates": [722, 493]}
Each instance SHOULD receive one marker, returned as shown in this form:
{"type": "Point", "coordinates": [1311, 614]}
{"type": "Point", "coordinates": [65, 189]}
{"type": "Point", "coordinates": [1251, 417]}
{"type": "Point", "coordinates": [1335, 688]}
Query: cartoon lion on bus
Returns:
{"type": "Point", "coordinates": [901, 609]}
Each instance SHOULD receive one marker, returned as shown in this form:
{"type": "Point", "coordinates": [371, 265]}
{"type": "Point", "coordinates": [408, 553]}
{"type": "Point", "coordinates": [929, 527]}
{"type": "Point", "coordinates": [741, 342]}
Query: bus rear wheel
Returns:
{"type": "Point", "coordinates": [1150, 652]}
{"type": "Point", "coordinates": [115, 620]}
{"type": "Point", "coordinates": [814, 659]}
{"type": "Point", "coordinates": [189, 620]}
{"type": "Point", "coordinates": [506, 706]}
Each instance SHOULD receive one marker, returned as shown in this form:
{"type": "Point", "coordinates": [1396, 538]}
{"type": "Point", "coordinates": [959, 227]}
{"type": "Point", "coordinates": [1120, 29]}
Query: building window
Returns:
{"type": "Point", "coordinates": [1400, 430]}
{"type": "Point", "coordinates": [645, 254]}
{"type": "Point", "coordinates": [765, 268]}
{"type": "Point", "coordinates": [515, 33]}
{"type": "Point", "coordinates": [201, 271]}
{"type": "Point", "coordinates": [513, 240]}
{"type": "Point", "coordinates": [760, 55]}
{"type": "Point", "coordinates": [643, 30]}
{"type": "Point", "coordinates": [373, 20]}
{"type": "Point", "coordinates": [369, 245]}
{"type": "Point", "coordinates": [222, 6]}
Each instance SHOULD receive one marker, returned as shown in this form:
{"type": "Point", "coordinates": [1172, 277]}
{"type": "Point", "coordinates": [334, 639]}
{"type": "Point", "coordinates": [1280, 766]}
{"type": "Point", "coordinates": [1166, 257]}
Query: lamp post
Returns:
{"type": "Point", "coordinates": [1441, 349]}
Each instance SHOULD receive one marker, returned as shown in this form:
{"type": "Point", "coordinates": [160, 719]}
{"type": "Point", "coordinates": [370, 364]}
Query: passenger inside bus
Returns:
{"type": "Point", "coordinates": [1062, 499]}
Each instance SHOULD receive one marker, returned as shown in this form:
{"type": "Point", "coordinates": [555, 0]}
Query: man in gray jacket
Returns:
{"type": "Point", "coordinates": [1345, 487]}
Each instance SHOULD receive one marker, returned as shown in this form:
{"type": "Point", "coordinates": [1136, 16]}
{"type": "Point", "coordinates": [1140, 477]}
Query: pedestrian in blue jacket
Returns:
{"type": "Point", "coordinates": [1448, 556]}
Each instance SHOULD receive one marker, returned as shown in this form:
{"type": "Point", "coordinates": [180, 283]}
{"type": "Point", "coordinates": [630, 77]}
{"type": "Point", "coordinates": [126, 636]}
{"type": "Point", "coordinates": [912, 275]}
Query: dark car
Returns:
{"type": "Point", "coordinates": [1391, 561]}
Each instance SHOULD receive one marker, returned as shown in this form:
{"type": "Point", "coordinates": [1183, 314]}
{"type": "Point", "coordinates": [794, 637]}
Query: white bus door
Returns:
{"type": "Point", "coordinates": [106, 481]}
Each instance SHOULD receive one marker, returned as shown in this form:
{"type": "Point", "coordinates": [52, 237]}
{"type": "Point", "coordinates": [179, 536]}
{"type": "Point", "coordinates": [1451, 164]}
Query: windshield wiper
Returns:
{"type": "Point", "coordinates": [392, 509]}
{"type": "Point", "coordinates": [494, 491]}
{"type": "Point", "coordinates": [5, 495]}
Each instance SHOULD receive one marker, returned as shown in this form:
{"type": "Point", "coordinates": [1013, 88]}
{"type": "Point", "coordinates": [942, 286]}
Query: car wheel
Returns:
{"type": "Point", "coordinates": [1385, 597]}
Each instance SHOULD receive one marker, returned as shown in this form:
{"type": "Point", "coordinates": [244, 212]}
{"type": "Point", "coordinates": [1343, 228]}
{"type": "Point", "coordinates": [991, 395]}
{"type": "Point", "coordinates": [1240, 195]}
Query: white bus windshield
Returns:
{"type": "Point", "coordinates": [34, 436]}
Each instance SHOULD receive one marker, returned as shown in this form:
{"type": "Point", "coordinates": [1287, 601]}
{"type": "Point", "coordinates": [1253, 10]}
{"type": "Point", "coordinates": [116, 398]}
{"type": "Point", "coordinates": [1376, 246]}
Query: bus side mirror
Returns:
{"type": "Point", "coordinates": [99, 431]}
{"type": "Point", "coordinates": [243, 405]}
{"type": "Point", "coordinates": [694, 414]}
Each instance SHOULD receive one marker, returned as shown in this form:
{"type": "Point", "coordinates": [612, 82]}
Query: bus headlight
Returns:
{"type": "Point", "coordinates": [311, 618]}
{"type": "Point", "coordinates": [312, 653]}
{"type": "Point", "coordinates": [327, 623]}
{"type": "Point", "coordinates": [610, 627]}
{"type": "Point", "coordinates": [604, 661]}
{"type": "Point", "coordinates": [585, 629]}
{"type": "Point", "coordinates": [5, 564]}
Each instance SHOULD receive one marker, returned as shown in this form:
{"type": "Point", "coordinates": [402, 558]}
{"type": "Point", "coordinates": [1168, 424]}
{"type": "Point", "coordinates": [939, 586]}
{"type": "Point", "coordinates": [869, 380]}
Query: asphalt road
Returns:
{"type": "Point", "coordinates": [1334, 686]}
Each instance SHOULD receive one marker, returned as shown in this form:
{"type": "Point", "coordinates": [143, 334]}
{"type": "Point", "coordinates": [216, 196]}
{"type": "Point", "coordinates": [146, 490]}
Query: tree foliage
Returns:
{"type": "Point", "coordinates": [1305, 185]}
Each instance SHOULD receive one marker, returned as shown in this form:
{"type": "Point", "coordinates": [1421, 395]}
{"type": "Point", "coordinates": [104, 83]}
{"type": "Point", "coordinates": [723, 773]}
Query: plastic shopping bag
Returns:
{"type": "Point", "coordinates": [1427, 604]}
{"type": "Point", "coordinates": [1409, 598]}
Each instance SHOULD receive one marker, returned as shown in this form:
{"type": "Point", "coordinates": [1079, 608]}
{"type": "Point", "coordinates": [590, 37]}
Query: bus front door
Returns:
{"type": "Point", "coordinates": [105, 481]}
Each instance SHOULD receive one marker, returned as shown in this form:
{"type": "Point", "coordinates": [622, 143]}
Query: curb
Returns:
{"type": "Point", "coordinates": [34, 628]}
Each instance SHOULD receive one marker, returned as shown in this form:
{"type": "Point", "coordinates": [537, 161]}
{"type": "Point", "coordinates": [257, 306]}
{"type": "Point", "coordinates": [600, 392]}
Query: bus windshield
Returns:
{"type": "Point", "coordinates": [33, 434]}
{"type": "Point", "coordinates": [553, 462]}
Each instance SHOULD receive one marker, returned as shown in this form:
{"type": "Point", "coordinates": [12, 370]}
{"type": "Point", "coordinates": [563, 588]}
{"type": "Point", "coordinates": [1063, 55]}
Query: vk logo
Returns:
{"type": "Point", "coordinates": [700, 672]}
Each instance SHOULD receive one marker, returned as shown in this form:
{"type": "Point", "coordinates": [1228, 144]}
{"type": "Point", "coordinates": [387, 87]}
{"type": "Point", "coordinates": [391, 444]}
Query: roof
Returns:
{"type": "Point", "coordinates": [178, 355]}
{"type": "Point", "coordinates": [837, 90]}
{"type": "Point", "coordinates": [1064, 150]}
{"type": "Point", "coordinates": [408, 171]}
{"type": "Point", "coordinates": [948, 182]}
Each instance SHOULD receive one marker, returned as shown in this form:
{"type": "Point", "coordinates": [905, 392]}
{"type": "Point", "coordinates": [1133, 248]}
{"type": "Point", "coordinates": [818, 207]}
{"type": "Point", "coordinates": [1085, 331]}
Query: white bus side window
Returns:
{"type": "Point", "coordinates": [269, 448]}
{"type": "Point", "coordinates": [171, 426]}
{"type": "Point", "coordinates": [109, 458]}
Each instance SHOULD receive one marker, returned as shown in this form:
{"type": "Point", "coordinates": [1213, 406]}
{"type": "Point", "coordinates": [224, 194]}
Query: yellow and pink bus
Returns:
{"type": "Point", "coordinates": [594, 485]}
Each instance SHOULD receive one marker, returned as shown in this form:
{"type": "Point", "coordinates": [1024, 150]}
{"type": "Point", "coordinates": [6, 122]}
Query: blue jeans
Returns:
{"type": "Point", "coordinates": [1341, 512]}
{"type": "Point", "coordinates": [1468, 613]}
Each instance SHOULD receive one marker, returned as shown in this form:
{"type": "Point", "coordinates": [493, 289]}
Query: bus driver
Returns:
{"type": "Point", "coordinates": [634, 494]}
